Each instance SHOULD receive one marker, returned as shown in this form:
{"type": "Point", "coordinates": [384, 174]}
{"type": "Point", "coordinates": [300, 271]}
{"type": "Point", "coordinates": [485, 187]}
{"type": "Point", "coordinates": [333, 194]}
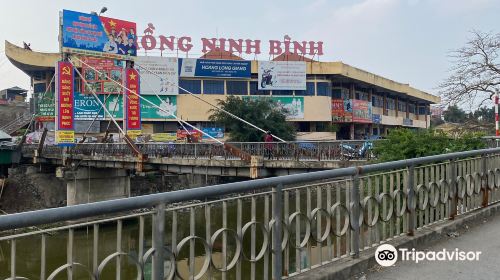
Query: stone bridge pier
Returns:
{"type": "Point", "coordinates": [88, 184]}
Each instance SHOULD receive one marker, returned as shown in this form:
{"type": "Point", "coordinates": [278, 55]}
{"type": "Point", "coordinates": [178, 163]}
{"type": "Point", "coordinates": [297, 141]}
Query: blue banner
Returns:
{"type": "Point", "coordinates": [376, 118]}
{"type": "Point", "coordinates": [87, 108]}
{"type": "Point", "coordinates": [93, 35]}
{"type": "Point", "coordinates": [215, 132]}
{"type": "Point", "coordinates": [193, 67]}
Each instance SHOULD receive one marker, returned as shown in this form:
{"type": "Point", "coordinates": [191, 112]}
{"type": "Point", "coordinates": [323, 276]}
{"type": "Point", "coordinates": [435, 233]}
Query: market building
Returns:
{"type": "Point", "coordinates": [351, 102]}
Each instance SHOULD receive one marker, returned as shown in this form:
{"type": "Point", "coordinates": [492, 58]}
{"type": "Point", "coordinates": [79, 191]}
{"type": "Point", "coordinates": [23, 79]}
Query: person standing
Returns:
{"type": "Point", "coordinates": [268, 139]}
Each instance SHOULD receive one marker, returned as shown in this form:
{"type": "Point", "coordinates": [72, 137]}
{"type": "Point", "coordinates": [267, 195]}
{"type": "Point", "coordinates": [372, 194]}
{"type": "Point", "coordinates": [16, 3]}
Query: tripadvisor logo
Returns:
{"type": "Point", "coordinates": [387, 255]}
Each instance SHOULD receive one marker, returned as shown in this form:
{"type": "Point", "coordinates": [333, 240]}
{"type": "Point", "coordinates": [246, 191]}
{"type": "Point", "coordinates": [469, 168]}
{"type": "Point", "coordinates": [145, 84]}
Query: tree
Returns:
{"type": "Point", "coordinates": [475, 74]}
{"type": "Point", "coordinates": [405, 144]}
{"type": "Point", "coordinates": [455, 115]}
{"type": "Point", "coordinates": [262, 112]}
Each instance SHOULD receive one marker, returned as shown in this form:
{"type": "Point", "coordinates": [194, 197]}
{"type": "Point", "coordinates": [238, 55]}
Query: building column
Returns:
{"type": "Point", "coordinates": [384, 111]}
{"type": "Point", "coordinates": [351, 131]}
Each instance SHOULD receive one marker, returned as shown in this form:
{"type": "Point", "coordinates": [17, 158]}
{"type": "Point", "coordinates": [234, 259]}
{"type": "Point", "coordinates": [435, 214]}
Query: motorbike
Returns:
{"type": "Point", "coordinates": [348, 152]}
{"type": "Point", "coordinates": [267, 78]}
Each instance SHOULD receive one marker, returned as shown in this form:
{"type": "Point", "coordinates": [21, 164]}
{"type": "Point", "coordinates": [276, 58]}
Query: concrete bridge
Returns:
{"type": "Point", "coordinates": [108, 166]}
{"type": "Point", "coordinates": [317, 225]}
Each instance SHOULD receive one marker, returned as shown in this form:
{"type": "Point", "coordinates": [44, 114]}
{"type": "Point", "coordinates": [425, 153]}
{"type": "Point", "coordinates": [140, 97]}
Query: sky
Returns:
{"type": "Point", "coordinates": [404, 40]}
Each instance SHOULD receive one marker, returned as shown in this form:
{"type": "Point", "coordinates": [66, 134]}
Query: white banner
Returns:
{"type": "Point", "coordinates": [160, 75]}
{"type": "Point", "coordinates": [282, 75]}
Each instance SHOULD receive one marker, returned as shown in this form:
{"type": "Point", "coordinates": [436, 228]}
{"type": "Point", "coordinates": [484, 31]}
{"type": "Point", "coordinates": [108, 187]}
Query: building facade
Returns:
{"type": "Point", "coordinates": [338, 98]}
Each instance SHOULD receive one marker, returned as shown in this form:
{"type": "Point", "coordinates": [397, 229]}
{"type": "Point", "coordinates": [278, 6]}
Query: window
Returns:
{"type": "Point", "coordinates": [282, 92]}
{"type": "Point", "coordinates": [237, 87]}
{"type": "Point", "coordinates": [310, 90]}
{"type": "Point", "coordinates": [336, 93]}
{"type": "Point", "coordinates": [254, 90]}
{"type": "Point", "coordinates": [40, 87]}
{"type": "Point", "coordinates": [361, 95]}
{"type": "Point", "coordinates": [401, 106]}
{"type": "Point", "coordinates": [213, 87]}
{"type": "Point", "coordinates": [323, 89]}
{"type": "Point", "coordinates": [411, 108]}
{"type": "Point", "coordinates": [391, 104]}
{"type": "Point", "coordinates": [194, 86]}
{"type": "Point", "coordinates": [422, 110]}
{"type": "Point", "coordinates": [377, 101]}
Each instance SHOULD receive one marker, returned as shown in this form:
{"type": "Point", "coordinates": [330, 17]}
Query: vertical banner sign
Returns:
{"type": "Point", "coordinates": [132, 103]}
{"type": "Point", "coordinates": [65, 133]}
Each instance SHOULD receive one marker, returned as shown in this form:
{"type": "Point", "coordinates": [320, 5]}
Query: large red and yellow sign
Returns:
{"type": "Point", "coordinates": [132, 103]}
{"type": "Point", "coordinates": [65, 133]}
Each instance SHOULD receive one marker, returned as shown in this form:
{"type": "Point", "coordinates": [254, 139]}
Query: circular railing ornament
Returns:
{"type": "Point", "coordinates": [320, 238]}
{"type": "Point", "coordinates": [171, 258]}
{"type": "Point", "coordinates": [434, 195]}
{"type": "Point", "coordinates": [237, 252]}
{"type": "Point", "coordinates": [284, 229]}
{"type": "Point", "coordinates": [388, 199]}
{"type": "Point", "coordinates": [206, 262]}
{"type": "Point", "coordinates": [265, 241]}
{"type": "Point", "coordinates": [404, 197]}
{"type": "Point", "coordinates": [461, 187]}
{"type": "Point", "coordinates": [106, 260]}
{"type": "Point", "coordinates": [364, 207]}
{"type": "Point", "coordinates": [303, 242]}
{"type": "Point", "coordinates": [338, 208]}
{"type": "Point", "coordinates": [422, 195]}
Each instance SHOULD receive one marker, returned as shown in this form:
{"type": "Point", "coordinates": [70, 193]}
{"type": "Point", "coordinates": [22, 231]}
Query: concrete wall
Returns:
{"type": "Point", "coordinates": [189, 108]}
{"type": "Point", "coordinates": [96, 184]}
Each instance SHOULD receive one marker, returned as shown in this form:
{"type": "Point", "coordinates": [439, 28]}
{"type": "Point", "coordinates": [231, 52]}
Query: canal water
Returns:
{"type": "Point", "coordinates": [28, 249]}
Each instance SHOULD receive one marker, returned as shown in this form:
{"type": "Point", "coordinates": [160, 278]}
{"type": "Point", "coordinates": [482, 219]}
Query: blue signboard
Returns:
{"type": "Point", "coordinates": [215, 132]}
{"type": "Point", "coordinates": [90, 34]}
{"type": "Point", "coordinates": [87, 108]}
{"type": "Point", "coordinates": [376, 118]}
{"type": "Point", "coordinates": [193, 67]}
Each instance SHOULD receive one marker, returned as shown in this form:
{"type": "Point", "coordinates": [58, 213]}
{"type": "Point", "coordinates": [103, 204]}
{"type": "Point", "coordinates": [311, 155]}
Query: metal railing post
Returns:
{"type": "Point", "coordinates": [355, 215]}
{"type": "Point", "coordinates": [277, 236]}
{"type": "Point", "coordinates": [453, 187]}
{"type": "Point", "coordinates": [411, 200]}
{"type": "Point", "coordinates": [484, 180]}
{"type": "Point", "coordinates": [158, 237]}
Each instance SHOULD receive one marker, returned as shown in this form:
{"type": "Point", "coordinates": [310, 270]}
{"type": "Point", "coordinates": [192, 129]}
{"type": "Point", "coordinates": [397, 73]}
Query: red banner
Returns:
{"type": "Point", "coordinates": [132, 101]}
{"type": "Point", "coordinates": [183, 134]}
{"type": "Point", "coordinates": [65, 91]}
{"type": "Point", "coordinates": [362, 111]}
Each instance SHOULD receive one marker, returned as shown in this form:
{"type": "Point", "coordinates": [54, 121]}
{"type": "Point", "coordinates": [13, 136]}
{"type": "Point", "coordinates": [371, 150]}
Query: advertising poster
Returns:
{"type": "Point", "coordinates": [215, 132]}
{"type": "Point", "coordinates": [164, 137]}
{"type": "Point", "coordinates": [167, 103]}
{"type": "Point", "coordinates": [132, 104]}
{"type": "Point", "coordinates": [45, 110]}
{"type": "Point", "coordinates": [87, 107]}
{"type": "Point", "coordinates": [94, 35]}
{"type": "Point", "coordinates": [282, 75]}
{"type": "Point", "coordinates": [182, 135]}
{"type": "Point", "coordinates": [341, 110]}
{"type": "Point", "coordinates": [114, 104]}
{"type": "Point", "coordinates": [101, 81]}
{"type": "Point", "coordinates": [376, 118]}
{"type": "Point", "coordinates": [294, 105]}
{"type": "Point", "coordinates": [159, 75]}
{"type": "Point", "coordinates": [362, 111]}
{"type": "Point", "coordinates": [216, 68]}
{"type": "Point", "coordinates": [65, 133]}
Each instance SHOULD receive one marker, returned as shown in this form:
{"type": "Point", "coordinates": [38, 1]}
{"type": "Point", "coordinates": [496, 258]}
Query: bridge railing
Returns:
{"type": "Point", "coordinates": [299, 151]}
{"type": "Point", "coordinates": [259, 229]}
